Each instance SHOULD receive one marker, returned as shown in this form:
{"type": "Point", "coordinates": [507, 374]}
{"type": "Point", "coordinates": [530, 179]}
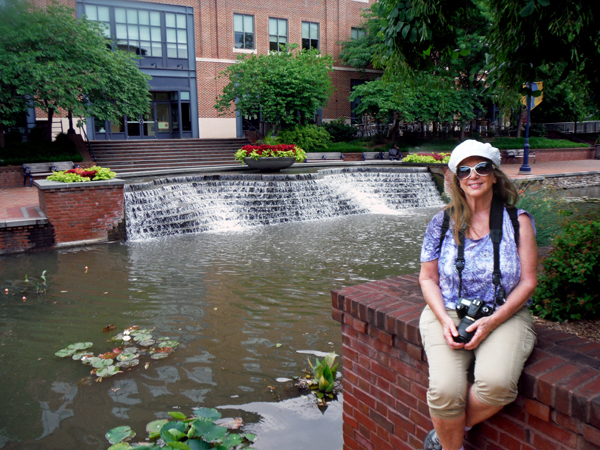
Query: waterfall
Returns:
{"type": "Point", "coordinates": [201, 203]}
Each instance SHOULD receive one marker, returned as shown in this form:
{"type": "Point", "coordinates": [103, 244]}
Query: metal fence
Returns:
{"type": "Point", "coordinates": [574, 127]}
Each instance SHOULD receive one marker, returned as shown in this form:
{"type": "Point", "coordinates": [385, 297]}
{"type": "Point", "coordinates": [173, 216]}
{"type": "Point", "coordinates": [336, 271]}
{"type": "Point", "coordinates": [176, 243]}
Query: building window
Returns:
{"type": "Point", "coordinates": [278, 34]}
{"type": "Point", "coordinates": [138, 31]}
{"type": "Point", "coordinates": [176, 35]}
{"type": "Point", "coordinates": [99, 14]}
{"type": "Point", "coordinates": [310, 35]}
{"type": "Point", "coordinates": [243, 26]}
{"type": "Point", "coordinates": [357, 33]}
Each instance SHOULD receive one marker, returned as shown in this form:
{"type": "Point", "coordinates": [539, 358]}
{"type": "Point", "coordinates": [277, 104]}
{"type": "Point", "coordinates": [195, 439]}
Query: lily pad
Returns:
{"type": "Point", "coordinates": [117, 337]}
{"type": "Point", "coordinates": [207, 413]}
{"type": "Point", "coordinates": [77, 356]}
{"type": "Point", "coordinates": [80, 345]}
{"type": "Point", "coordinates": [108, 372]}
{"type": "Point", "coordinates": [130, 350]}
{"type": "Point", "coordinates": [128, 364]}
{"type": "Point", "coordinates": [147, 343]}
{"type": "Point", "coordinates": [170, 343]}
{"type": "Point", "coordinates": [208, 430]}
{"type": "Point", "coordinates": [63, 353]}
{"type": "Point", "coordinates": [141, 331]}
{"type": "Point", "coordinates": [155, 426]}
{"type": "Point", "coordinates": [195, 444]}
{"type": "Point", "coordinates": [142, 337]}
{"type": "Point", "coordinates": [126, 356]}
{"type": "Point", "coordinates": [120, 446]}
{"type": "Point", "coordinates": [164, 338]}
{"type": "Point", "coordinates": [98, 363]}
{"type": "Point", "coordinates": [119, 434]}
{"type": "Point", "coordinates": [159, 355]}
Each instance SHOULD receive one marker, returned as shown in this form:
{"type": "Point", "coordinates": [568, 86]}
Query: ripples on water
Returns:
{"type": "Point", "coordinates": [228, 297]}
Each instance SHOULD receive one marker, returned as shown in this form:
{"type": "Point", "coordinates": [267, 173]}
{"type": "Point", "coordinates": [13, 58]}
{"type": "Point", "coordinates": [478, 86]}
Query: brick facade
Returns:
{"type": "Point", "coordinates": [26, 238]}
{"type": "Point", "coordinates": [386, 378]}
{"type": "Point", "coordinates": [11, 176]}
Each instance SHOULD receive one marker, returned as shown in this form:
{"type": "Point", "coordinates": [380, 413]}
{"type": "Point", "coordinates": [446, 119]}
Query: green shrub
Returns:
{"type": "Point", "coordinates": [339, 131]}
{"type": "Point", "coordinates": [534, 142]}
{"type": "Point", "coordinates": [569, 288]}
{"type": "Point", "coordinates": [548, 208]}
{"type": "Point", "coordinates": [344, 147]}
{"type": "Point", "coordinates": [35, 150]}
{"type": "Point", "coordinates": [307, 137]}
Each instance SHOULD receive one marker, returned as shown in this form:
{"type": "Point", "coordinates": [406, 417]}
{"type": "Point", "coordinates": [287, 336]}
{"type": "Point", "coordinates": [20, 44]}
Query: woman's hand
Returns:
{"type": "Point", "coordinates": [450, 331]}
{"type": "Point", "coordinates": [483, 327]}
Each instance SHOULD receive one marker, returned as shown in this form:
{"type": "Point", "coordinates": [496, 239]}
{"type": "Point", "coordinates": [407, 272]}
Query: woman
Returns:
{"type": "Point", "coordinates": [502, 341]}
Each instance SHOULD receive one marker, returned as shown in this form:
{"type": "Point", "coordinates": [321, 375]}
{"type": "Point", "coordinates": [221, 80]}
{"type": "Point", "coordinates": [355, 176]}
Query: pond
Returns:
{"type": "Point", "coordinates": [243, 304]}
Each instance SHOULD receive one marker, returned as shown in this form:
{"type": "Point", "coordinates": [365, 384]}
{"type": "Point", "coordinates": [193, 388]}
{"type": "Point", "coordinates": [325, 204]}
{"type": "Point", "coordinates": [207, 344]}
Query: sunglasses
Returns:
{"type": "Point", "coordinates": [483, 169]}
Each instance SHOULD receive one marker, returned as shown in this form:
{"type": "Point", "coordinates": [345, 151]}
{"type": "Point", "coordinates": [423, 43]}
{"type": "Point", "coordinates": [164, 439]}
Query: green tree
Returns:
{"type": "Point", "coordinates": [284, 87]}
{"type": "Point", "coordinates": [58, 62]}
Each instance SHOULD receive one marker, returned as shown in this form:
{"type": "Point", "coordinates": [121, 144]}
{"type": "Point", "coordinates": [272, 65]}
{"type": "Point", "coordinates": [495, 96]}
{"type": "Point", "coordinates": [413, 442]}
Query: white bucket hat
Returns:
{"type": "Point", "coordinates": [471, 147]}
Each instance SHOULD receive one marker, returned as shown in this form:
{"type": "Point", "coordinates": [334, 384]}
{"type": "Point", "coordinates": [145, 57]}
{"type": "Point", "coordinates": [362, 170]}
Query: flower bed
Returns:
{"type": "Point", "coordinates": [80, 175]}
{"type": "Point", "coordinates": [270, 151]}
{"type": "Point", "coordinates": [440, 158]}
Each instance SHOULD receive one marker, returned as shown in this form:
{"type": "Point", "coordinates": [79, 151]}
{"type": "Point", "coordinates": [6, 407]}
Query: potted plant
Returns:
{"type": "Point", "coordinates": [270, 157]}
{"type": "Point", "coordinates": [80, 175]}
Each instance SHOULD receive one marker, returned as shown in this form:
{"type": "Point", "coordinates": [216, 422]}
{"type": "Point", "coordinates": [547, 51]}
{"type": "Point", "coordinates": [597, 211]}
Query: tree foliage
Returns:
{"type": "Point", "coordinates": [56, 61]}
{"type": "Point", "coordinates": [282, 87]}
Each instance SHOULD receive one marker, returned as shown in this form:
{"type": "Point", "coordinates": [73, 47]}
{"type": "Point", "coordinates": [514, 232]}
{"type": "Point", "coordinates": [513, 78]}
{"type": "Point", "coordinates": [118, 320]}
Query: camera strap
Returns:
{"type": "Point", "coordinates": [496, 220]}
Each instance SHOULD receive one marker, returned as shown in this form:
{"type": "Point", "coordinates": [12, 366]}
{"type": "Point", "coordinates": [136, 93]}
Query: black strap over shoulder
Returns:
{"type": "Point", "coordinates": [514, 218]}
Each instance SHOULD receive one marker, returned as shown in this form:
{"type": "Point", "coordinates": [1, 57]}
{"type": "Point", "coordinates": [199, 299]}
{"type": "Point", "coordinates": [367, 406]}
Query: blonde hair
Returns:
{"type": "Point", "coordinates": [461, 214]}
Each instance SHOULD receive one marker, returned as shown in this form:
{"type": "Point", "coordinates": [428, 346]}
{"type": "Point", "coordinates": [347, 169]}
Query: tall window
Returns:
{"type": "Point", "coordinates": [278, 34]}
{"type": "Point", "coordinates": [357, 33]}
{"type": "Point", "coordinates": [99, 14]}
{"type": "Point", "coordinates": [138, 31]}
{"type": "Point", "coordinates": [243, 26]}
{"type": "Point", "coordinates": [176, 35]}
{"type": "Point", "coordinates": [310, 35]}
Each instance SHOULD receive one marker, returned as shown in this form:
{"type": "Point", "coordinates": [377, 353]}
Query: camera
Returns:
{"type": "Point", "coordinates": [469, 311]}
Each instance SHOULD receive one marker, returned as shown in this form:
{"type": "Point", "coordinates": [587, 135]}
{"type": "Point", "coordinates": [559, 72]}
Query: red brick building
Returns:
{"type": "Point", "coordinates": [185, 44]}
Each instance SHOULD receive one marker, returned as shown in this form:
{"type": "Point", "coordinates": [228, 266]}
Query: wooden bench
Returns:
{"type": "Point", "coordinates": [374, 155]}
{"type": "Point", "coordinates": [329, 156]}
{"type": "Point", "coordinates": [44, 169]}
{"type": "Point", "coordinates": [517, 153]}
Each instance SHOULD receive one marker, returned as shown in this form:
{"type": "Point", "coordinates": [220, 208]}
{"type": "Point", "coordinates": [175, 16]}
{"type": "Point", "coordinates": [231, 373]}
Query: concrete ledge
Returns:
{"type": "Point", "coordinates": [46, 184]}
{"type": "Point", "coordinates": [386, 378]}
{"type": "Point", "coordinates": [11, 223]}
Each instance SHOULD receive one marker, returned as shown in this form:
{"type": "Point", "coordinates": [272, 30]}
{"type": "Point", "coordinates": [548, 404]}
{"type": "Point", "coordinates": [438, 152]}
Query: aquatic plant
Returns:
{"type": "Point", "coordinates": [135, 343]}
{"type": "Point", "coordinates": [198, 432]}
{"type": "Point", "coordinates": [324, 373]}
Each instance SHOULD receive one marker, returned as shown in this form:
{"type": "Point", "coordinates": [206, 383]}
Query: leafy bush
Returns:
{"type": "Point", "coordinates": [440, 158]}
{"type": "Point", "coordinates": [548, 208]}
{"type": "Point", "coordinates": [569, 287]}
{"type": "Point", "coordinates": [344, 147]}
{"type": "Point", "coordinates": [40, 150]}
{"type": "Point", "coordinates": [95, 173]}
{"type": "Point", "coordinates": [307, 137]}
{"type": "Point", "coordinates": [339, 130]}
{"type": "Point", "coordinates": [270, 151]}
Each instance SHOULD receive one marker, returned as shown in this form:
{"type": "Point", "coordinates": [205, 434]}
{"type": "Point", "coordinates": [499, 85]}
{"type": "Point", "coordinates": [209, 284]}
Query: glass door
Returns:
{"type": "Point", "coordinates": [163, 120]}
{"type": "Point", "coordinates": [149, 122]}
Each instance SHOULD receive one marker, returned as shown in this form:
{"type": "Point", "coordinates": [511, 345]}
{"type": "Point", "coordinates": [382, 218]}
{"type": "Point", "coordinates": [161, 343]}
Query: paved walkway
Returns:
{"type": "Point", "coordinates": [23, 203]}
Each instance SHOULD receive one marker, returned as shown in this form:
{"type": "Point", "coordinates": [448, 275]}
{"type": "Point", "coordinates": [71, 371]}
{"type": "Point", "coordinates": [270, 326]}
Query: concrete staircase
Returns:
{"type": "Point", "coordinates": [146, 155]}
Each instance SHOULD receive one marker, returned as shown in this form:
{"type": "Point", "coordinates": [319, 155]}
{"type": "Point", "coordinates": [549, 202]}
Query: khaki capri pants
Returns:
{"type": "Point", "coordinates": [498, 363]}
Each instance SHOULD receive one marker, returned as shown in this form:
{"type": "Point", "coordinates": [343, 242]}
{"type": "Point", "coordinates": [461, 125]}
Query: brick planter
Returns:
{"type": "Point", "coordinates": [84, 212]}
{"type": "Point", "coordinates": [386, 377]}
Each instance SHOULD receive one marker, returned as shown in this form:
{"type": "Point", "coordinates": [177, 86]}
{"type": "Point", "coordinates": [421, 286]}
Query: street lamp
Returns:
{"type": "Point", "coordinates": [525, 169]}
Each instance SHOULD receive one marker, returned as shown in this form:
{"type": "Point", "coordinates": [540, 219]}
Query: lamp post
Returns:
{"type": "Point", "coordinates": [525, 169]}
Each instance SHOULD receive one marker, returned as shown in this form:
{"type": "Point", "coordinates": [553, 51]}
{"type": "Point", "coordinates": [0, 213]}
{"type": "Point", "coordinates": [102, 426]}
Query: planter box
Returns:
{"type": "Point", "coordinates": [269, 164]}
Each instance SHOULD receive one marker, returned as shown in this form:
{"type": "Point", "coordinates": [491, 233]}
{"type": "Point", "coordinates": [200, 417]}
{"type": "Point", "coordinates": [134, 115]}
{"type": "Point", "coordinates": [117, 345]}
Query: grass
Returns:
{"type": "Point", "coordinates": [535, 142]}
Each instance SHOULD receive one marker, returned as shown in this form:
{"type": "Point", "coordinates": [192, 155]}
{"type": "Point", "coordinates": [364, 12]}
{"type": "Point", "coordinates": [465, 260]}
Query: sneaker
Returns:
{"type": "Point", "coordinates": [432, 442]}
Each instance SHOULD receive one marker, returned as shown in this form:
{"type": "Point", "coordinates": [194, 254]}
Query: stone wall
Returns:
{"type": "Point", "coordinates": [26, 236]}
{"type": "Point", "coordinates": [386, 377]}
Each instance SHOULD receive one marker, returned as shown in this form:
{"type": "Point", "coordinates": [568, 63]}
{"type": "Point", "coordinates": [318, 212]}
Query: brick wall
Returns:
{"type": "Point", "coordinates": [386, 377]}
{"type": "Point", "coordinates": [26, 238]}
{"type": "Point", "coordinates": [11, 176]}
{"type": "Point", "coordinates": [84, 212]}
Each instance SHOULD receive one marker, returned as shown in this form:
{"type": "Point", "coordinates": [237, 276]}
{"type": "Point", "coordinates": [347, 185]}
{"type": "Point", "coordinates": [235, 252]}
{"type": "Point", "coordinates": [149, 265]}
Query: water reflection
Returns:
{"type": "Point", "coordinates": [241, 304]}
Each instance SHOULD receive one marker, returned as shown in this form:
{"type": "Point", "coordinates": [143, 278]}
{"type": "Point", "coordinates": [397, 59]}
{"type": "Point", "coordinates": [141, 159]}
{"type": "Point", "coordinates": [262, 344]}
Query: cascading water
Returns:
{"type": "Point", "coordinates": [217, 202]}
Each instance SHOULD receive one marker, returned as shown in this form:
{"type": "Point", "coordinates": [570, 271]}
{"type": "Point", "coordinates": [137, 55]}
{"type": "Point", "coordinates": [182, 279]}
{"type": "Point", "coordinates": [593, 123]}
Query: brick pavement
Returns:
{"type": "Point", "coordinates": [19, 203]}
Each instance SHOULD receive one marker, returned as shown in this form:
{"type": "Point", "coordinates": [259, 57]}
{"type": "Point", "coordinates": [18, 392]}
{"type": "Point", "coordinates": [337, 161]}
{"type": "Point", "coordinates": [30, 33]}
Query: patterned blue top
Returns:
{"type": "Point", "coordinates": [479, 261]}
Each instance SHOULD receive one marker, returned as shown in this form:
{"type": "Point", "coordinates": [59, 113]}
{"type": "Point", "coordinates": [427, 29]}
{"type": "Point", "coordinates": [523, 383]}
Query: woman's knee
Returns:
{"type": "Point", "coordinates": [445, 400]}
{"type": "Point", "coordinates": [495, 390]}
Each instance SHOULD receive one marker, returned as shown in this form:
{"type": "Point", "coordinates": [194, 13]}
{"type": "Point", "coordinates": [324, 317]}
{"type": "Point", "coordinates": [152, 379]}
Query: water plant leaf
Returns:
{"type": "Point", "coordinates": [207, 413]}
{"type": "Point", "coordinates": [195, 444]}
{"type": "Point", "coordinates": [141, 337]}
{"type": "Point", "coordinates": [251, 437]}
{"type": "Point", "coordinates": [231, 440]}
{"type": "Point", "coordinates": [119, 434]}
{"type": "Point", "coordinates": [117, 337]}
{"type": "Point", "coordinates": [141, 331]}
{"type": "Point", "coordinates": [109, 371]}
{"type": "Point", "coordinates": [159, 355]}
{"type": "Point", "coordinates": [120, 446]}
{"type": "Point", "coordinates": [130, 350]}
{"type": "Point", "coordinates": [208, 430]}
{"type": "Point", "coordinates": [177, 415]}
{"type": "Point", "coordinates": [108, 355]}
{"type": "Point", "coordinates": [155, 426]}
{"type": "Point", "coordinates": [179, 445]}
{"type": "Point", "coordinates": [63, 353]}
{"type": "Point", "coordinates": [80, 345]}
{"type": "Point", "coordinates": [165, 431]}
{"type": "Point", "coordinates": [164, 338]}
{"type": "Point", "coordinates": [78, 355]}
{"type": "Point", "coordinates": [128, 364]}
{"type": "Point", "coordinates": [98, 363]}
{"type": "Point", "coordinates": [147, 343]}
{"type": "Point", "coordinates": [170, 343]}
{"type": "Point", "coordinates": [126, 356]}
